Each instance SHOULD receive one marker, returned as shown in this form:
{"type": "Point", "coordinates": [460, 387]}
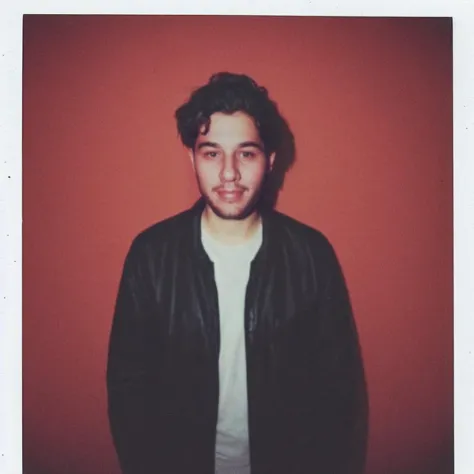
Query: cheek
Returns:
{"type": "Point", "coordinates": [206, 174]}
{"type": "Point", "coordinates": [254, 176]}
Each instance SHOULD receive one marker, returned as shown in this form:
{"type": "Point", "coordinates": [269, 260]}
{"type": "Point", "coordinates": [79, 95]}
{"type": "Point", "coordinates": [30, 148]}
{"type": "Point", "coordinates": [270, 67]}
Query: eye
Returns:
{"type": "Point", "coordinates": [248, 154]}
{"type": "Point", "coordinates": [211, 154]}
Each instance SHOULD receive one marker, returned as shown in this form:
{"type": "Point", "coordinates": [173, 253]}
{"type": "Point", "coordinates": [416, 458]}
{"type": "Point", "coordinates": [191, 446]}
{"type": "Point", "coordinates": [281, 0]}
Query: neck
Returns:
{"type": "Point", "coordinates": [230, 231]}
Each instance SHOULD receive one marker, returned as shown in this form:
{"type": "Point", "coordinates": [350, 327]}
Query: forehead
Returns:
{"type": "Point", "coordinates": [230, 128]}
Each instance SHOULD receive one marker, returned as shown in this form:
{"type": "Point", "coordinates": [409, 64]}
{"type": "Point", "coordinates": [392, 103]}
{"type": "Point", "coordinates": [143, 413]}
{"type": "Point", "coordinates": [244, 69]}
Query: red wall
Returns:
{"type": "Point", "coordinates": [370, 104]}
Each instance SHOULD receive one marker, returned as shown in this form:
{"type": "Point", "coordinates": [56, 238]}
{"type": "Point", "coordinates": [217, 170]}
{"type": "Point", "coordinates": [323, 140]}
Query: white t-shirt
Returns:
{"type": "Point", "coordinates": [231, 270]}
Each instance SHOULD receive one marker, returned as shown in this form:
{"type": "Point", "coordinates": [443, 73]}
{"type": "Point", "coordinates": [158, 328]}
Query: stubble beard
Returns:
{"type": "Point", "coordinates": [239, 213]}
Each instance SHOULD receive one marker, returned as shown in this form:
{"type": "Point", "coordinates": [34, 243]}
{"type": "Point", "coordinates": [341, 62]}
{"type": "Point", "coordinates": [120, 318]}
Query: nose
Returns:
{"type": "Point", "coordinates": [229, 171]}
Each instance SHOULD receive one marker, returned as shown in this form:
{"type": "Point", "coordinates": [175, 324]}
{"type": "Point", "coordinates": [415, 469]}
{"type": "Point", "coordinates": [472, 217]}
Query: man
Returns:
{"type": "Point", "coordinates": [233, 349]}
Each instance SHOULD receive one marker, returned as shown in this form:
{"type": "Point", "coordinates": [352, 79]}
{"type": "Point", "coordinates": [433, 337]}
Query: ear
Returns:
{"type": "Point", "coordinates": [191, 156]}
{"type": "Point", "coordinates": [271, 161]}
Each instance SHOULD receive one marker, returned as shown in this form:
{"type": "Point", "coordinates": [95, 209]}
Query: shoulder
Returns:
{"type": "Point", "coordinates": [301, 233]}
{"type": "Point", "coordinates": [168, 228]}
{"type": "Point", "coordinates": [161, 234]}
{"type": "Point", "coordinates": [311, 250]}
{"type": "Point", "coordinates": [308, 245]}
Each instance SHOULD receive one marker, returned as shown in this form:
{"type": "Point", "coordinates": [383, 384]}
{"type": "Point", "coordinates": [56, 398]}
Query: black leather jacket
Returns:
{"type": "Point", "coordinates": [306, 394]}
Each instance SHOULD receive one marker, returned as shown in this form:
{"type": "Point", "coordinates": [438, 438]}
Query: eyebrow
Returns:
{"type": "Point", "coordinates": [204, 144]}
{"type": "Point", "coordinates": [253, 144]}
{"type": "Point", "coordinates": [241, 145]}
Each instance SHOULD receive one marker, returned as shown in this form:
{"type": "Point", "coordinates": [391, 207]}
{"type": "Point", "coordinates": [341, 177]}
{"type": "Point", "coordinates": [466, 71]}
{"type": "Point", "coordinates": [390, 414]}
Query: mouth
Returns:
{"type": "Point", "coordinates": [230, 195]}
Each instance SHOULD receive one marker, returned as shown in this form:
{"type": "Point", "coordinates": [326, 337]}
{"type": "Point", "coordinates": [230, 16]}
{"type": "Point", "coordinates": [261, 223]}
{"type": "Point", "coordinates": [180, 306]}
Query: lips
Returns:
{"type": "Point", "coordinates": [230, 195]}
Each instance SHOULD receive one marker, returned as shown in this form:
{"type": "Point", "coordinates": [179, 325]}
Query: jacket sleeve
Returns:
{"type": "Point", "coordinates": [128, 381]}
{"type": "Point", "coordinates": [342, 394]}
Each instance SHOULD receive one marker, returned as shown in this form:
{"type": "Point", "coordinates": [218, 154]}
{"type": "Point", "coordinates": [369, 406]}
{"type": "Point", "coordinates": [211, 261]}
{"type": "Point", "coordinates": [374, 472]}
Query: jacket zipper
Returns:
{"type": "Point", "coordinates": [215, 307]}
{"type": "Point", "coordinates": [249, 325]}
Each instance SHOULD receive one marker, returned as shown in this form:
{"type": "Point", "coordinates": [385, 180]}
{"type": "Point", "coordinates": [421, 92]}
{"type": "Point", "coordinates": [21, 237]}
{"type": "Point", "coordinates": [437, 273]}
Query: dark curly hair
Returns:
{"type": "Point", "coordinates": [228, 93]}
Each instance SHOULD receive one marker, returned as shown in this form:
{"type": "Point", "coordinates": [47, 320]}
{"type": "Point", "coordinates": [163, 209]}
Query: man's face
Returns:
{"type": "Point", "coordinates": [230, 164]}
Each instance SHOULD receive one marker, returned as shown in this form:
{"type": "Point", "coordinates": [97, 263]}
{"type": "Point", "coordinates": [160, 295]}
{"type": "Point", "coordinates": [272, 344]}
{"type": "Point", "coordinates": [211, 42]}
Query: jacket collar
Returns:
{"type": "Point", "coordinates": [268, 233]}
